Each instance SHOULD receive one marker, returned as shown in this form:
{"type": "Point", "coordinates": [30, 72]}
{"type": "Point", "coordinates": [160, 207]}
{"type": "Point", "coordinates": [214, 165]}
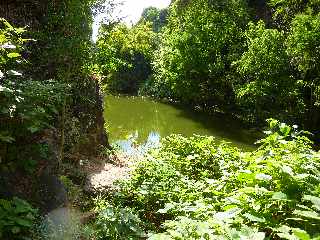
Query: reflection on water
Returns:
{"type": "Point", "coordinates": [140, 122]}
{"type": "Point", "coordinates": [132, 147]}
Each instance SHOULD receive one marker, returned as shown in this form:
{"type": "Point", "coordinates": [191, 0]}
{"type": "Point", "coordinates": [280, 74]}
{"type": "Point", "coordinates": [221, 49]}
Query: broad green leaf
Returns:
{"type": "Point", "coordinates": [301, 234]}
{"type": "Point", "coordinates": [253, 218]}
{"type": "Point", "coordinates": [5, 89]}
{"type": "Point", "coordinates": [14, 73]}
{"type": "Point", "coordinates": [6, 138]}
{"type": "Point", "coordinates": [191, 157]}
{"type": "Point", "coordinates": [287, 236]}
{"type": "Point", "coordinates": [258, 236]}
{"type": "Point", "coordinates": [8, 46]}
{"type": "Point", "coordinates": [302, 176]}
{"type": "Point", "coordinates": [285, 232]}
{"type": "Point", "coordinates": [285, 129]}
{"type": "Point", "coordinates": [273, 123]}
{"type": "Point", "coordinates": [307, 214]}
{"type": "Point", "coordinates": [314, 200]}
{"type": "Point", "coordinates": [288, 170]}
{"type": "Point", "coordinates": [166, 208]}
{"type": "Point", "coordinates": [279, 196]}
{"type": "Point", "coordinates": [263, 177]}
{"type": "Point", "coordinates": [33, 129]}
{"type": "Point", "coordinates": [8, 25]}
{"type": "Point", "coordinates": [23, 222]}
{"type": "Point", "coordinates": [231, 213]}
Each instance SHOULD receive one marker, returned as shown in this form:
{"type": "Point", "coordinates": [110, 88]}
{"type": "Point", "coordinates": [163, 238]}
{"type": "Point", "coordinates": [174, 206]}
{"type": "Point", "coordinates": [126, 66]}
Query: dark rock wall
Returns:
{"type": "Point", "coordinates": [261, 10]}
{"type": "Point", "coordinates": [24, 12]}
{"type": "Point", "coordinates": [34, 14]}
{"type": "Point", "coordinates": [82, 124]}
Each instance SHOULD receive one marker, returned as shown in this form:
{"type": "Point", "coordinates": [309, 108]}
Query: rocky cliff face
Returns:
{"type": "Point", "coordinates": [44, 21]}
{"type": "Point", "coordinates": [61, 51]}
{"type": "Point", "coordinates": [24, 13]}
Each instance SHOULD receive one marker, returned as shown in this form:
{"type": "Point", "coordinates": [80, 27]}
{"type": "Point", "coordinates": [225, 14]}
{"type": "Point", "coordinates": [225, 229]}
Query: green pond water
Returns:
{"type": "Point", "coordinates": [144, 121]}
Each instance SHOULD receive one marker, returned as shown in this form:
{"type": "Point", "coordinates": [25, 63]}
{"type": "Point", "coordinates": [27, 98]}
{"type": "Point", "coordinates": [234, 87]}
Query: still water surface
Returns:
{"type": "Point", "coordinates": [145, 121]}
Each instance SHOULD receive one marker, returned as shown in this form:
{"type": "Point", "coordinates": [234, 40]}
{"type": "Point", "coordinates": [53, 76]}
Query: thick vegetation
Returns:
{"type": "Point", "coordinates": [17, 219]}
{"type": "Point", "coordinates": [27, 106]}
{"type": "Point", "coordinates": [124, 56]}
{"type": "Point", "coordinates": [196, 188]}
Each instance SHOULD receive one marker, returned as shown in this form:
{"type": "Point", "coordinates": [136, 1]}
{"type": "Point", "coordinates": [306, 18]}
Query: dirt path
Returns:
{"type": "Point", "coordinates": [103, 176]}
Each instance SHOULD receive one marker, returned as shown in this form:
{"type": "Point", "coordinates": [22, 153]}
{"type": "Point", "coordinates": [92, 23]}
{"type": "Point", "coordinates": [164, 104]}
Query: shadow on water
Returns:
{"type": "Point", "coordinates": [225, 127]}
{"type": "Point", "coordinates": [134, 121]}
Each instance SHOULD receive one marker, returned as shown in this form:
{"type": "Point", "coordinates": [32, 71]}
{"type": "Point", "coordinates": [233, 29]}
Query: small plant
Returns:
{"type": "Point", "coordinates": [116, 222]}
{"type": "Point", "coordinates": [17, 218]}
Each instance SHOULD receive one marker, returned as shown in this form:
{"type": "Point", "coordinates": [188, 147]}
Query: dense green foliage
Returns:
{"type": "Point", "coordinates": [116, 223]}
{"type": "Point", "coordinates": [52, 89]}
{"type": "Point", "coordinates": [124, 56]}
{"type": "Point", "coordinates": [69, 58]}
{"type": "Point", "coordinates": [17, 219]}
{"type": "Point", "coordinates": [279, 71]}
{"type": "Point", "coordinates": [256, 59]}
{"type": "Point", "coordinates": [219, 55]}
{"type": "Point", "coordinates": [158, 17]}
{"type": "Point", "coordinates": [197, 188]}
{"type": "Point", "coordinates": [27, 106]}
{"type": "Point", "coordinates": [198, 45]}
{"type": "Point", "coordinates": [267, 89]}
{"type": "Point", "coordinates": [285, 11]}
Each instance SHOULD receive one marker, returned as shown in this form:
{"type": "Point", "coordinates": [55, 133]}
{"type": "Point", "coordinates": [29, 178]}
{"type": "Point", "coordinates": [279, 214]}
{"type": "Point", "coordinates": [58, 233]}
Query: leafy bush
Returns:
{"type": "Point", "coordinates": [27, 106]}
{"type": "Point", "coordinates": [195, 188]}
{"type": "Point", "coordinates": [116, 222]}
{"type": "Point", "coordinates": [198, 45]}
{"type": "Point", "coordinates": [303, 45]}
{"type": "Point", "coordinates": [124, 56]}
{"type": "Point", "coordinates": [285, 11]}
{"type": "Point", "coordinates": [266, 88]}
{"type": "Point", "coordinates": [17, 218]}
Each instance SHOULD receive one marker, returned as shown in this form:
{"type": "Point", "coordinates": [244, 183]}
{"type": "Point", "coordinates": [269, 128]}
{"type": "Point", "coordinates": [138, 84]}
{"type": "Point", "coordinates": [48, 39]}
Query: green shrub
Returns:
{"type": "Point", "coordinates": [198, 45]}
{"type": "Point", "coordinates": [124, 56]}
{"type": "Point", "coordinates": [17, 218]}
{"type": "Point", "coordinates": [27, 106]}
{"type": "Point", "coordinates": [116, 223]}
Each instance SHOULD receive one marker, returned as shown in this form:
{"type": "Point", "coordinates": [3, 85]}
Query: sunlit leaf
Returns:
{"type": "Point", "coordinates": [14, 73]}
{"type": "Point", "coordinates": [231, 213]}
{"type": "Point", "coordinates": [307, 214]}
{"type": "Point", "coordinates": [13, 55]}
{"type": "Point", "coordinates": [314, 200]}
{"type": "Point", "coordinates": [279, 196]}
{"type": "Point", "coordinates": [263, 177]}
{"type": "Point", "coordinates": [301, 234]}
{"type": "Point", "coordinates": [254, 218]}
{"type": "Point", "coordinates": [288, 170]}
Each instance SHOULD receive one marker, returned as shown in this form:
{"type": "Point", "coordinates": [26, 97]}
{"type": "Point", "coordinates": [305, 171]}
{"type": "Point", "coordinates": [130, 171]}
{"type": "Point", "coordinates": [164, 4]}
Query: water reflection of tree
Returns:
{"type": "Point", "coordinates": [142, 119]}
